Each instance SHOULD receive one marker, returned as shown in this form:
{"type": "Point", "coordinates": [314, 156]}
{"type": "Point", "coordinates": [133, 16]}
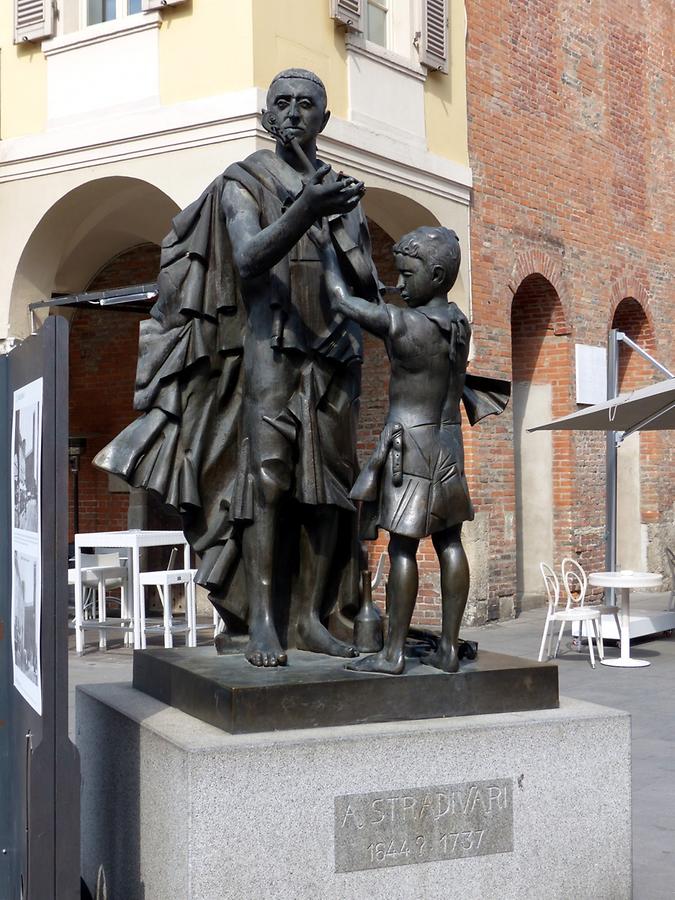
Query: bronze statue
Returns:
{"type": "Point", "coordinates": [414, 483]}
{"type": "Point", "coordinates": [249, 379]}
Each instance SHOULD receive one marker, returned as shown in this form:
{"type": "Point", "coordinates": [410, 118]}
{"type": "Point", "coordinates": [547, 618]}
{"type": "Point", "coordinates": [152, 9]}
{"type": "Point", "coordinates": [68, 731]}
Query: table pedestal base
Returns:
{"type": "Point", "coordinates": [629, 663]}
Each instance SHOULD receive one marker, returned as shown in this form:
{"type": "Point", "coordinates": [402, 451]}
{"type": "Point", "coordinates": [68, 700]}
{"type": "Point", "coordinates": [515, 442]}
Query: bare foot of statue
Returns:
{"type": "Point", "coordinates": [264, 649]}
{"type": "Point", "coordinates": [445, 658]}
{"type": "Point", "coordinates": [312, 635]}
{"type": "Point", "coordinates": [387, 664]}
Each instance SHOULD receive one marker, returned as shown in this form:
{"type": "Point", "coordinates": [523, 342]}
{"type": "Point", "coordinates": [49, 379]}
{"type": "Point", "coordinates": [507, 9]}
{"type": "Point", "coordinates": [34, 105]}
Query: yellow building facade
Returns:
{"type": "Point", "coordinates": [114, 115]}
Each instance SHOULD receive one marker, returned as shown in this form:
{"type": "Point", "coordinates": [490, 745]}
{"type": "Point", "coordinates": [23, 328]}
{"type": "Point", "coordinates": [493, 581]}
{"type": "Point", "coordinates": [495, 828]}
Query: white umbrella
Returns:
{"type": "Point", "coordinates": [647, 409]}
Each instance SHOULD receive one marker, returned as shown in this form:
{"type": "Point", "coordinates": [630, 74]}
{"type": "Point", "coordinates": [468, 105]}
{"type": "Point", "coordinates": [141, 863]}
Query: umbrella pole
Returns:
{"type": "Point", "coordinates": [611, 459]}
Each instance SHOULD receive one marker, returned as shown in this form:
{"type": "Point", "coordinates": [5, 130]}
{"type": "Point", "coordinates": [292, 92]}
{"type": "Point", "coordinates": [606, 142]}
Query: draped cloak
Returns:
{"type": "Point", "coordinates": [188, 446]}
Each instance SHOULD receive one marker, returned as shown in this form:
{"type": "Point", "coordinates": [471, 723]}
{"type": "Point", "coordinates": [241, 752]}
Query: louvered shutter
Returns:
{"type": "Point", "coordinates": [434, 49]}
{"type": "Point", "coordinates": [159, 4]}
{"type": "Point", "coordinates": [348, 12]}
{"type": "Point", "coordinates": [33, 20]}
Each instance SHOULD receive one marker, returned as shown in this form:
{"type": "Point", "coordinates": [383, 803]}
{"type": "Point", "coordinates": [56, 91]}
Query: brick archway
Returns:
{"type": "Point", "coordinates": [640, 461]}
{"type": "Point", "coordinates": [536, 262]}
{"type": "Point", "coordinates": [542, 367]}
{"type": "Point", "coordinates": [628, 287]}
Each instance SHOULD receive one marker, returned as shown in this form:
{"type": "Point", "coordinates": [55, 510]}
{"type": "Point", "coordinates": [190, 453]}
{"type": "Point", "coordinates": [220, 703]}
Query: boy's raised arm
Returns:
{"type": "Point", "coordinates": [371, 316]}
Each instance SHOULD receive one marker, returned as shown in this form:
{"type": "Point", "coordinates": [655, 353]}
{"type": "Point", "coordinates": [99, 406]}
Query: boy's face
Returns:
{"type": "Point", "coordinates": [417, 282]}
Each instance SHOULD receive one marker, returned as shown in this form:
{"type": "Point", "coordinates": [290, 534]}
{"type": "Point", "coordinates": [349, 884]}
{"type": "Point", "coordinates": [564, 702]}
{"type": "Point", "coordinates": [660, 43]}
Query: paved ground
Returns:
{"type": "Point", "coordinates": [647, 694]}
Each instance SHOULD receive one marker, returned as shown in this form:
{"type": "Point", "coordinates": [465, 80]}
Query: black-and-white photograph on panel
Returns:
{"type": "Point", "coordinates": [26, 578]}
{"type": "Point", "coordinates": [26, 457]}
{"type": "Point", "coordinates": [24, 620]}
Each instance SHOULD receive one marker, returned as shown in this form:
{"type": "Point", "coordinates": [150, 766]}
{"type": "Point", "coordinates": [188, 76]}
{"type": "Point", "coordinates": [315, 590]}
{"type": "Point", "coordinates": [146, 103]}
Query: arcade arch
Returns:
{"type": "Point", "coordinates": [81, 231]}
{"type": "Point", "coordinates": [541, 351]}
{"type": "Point", "coordinates": [638, 454]}
{"type": "Point", "coordinates": [101, 234]}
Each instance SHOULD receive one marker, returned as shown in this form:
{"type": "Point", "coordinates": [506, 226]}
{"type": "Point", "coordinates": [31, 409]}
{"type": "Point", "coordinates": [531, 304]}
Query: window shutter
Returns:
{"type": "Point", "coordinates": [348, 12]}
{"type": "Point", "coordinates": [434, 49]}
{"type": "Point", "coordinates": [159, 4]}
{"type": "Point", "coordinates": [33, 20]}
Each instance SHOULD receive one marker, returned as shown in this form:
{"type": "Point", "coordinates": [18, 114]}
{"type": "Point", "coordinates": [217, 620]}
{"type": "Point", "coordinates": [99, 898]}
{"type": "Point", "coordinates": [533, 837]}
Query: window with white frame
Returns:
{"type": "Point", "coordinates": [377, 21]}
{"type": "Point", "coordinates": [414, 30]}
{"type": "Point", "coordinates": [107, 10]}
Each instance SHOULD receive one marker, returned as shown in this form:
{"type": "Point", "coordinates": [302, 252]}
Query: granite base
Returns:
{"type": "Point", "coordinates": [519, 805]}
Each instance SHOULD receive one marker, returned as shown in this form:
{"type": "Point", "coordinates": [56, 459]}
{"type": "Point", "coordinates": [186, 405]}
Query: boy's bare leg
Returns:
{"type": "Point", "coordinates": [454, 593]}
{"type": "Point", "coordinates": [402, 592]}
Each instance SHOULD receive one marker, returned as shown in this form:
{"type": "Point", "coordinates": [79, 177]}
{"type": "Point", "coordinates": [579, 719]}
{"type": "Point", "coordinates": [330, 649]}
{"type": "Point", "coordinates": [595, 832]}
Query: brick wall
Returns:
{"type": "Point", "coordinates": [572, 156]}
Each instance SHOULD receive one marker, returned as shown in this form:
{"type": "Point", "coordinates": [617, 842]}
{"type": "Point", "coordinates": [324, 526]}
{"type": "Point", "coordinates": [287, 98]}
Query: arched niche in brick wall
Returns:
{"type": "Point", "coordinates": [542, 367]}
{"type": "Point", "coordinates": [638, 455]}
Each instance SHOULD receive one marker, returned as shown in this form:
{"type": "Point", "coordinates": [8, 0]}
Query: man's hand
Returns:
{"type": "Point", "coordinates": [334, 198]}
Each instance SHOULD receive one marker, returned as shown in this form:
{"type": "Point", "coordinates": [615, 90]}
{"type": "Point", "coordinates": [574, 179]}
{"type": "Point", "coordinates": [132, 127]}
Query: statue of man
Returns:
{"type": "Point", "coordinates": [249, 381]}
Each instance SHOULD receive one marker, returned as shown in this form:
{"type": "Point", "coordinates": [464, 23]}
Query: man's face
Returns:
{"type": "Point", "coordinates": [299, 108]}
{"type": "Point", "coordinates": [417, 282]}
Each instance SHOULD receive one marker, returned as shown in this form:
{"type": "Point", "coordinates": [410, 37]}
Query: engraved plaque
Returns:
{"type": "Point", "coordinates": [398, 828]}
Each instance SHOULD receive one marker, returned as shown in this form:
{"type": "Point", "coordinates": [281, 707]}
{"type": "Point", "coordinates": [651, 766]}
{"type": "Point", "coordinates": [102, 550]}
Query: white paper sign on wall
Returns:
{"type": "Point", "coordinates": [591, 371]}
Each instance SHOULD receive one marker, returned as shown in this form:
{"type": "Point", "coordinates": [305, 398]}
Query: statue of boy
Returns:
{"type": "Point", "coordinates": [414, 483]}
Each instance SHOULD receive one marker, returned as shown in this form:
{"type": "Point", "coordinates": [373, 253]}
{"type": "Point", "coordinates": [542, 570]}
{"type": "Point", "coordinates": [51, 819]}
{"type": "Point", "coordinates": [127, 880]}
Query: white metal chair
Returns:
{"type": "Point", "coordinates": [670, 556]}
{"type": "Point", "coordinates": [570, 613]}
{"type": "Point", "coordinates": [575, 582]}
{"type": "Point", "coordinates": [99, 574]}
{"type": "Point", "coordinates": [164, 580]}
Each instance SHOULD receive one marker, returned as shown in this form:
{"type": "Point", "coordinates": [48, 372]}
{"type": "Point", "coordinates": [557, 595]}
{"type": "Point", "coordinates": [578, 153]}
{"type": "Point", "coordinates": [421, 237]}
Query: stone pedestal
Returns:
{"type": "Point", "coordinates": [514, 805]}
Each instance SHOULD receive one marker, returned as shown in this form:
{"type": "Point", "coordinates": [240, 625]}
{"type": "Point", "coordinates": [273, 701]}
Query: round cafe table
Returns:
{"type": "Point", "coordinates": [623, 582]}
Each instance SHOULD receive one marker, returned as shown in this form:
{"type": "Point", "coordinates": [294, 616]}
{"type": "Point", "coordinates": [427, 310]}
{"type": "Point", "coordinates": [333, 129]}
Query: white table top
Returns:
{"type": "Point", "coordinates": [109, 571]}
{"type": "Point", "coordinates": [131, 538]}
{"type": "Point", "coordinates": [625, 579]}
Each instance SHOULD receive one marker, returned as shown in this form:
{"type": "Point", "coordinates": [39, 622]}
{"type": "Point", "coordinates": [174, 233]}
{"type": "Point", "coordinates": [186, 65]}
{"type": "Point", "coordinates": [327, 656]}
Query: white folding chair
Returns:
{"type": "Point", "coordinates": [100, 573]}
{"type": "Point", "coordinates": [575, 582]}
{"type": "Point", "coordinates": [164, 580]}
{"type": "Point", "coordinates": [570, 613]}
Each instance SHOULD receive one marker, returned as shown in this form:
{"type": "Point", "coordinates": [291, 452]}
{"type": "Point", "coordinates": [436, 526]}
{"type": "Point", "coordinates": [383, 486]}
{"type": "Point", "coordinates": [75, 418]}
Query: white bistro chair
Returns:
{"type": "Point", "coordinates": [575, 582]}
{"type": "Point", "coordinates": [165, 580]}
{"type": "Point", "coordinates": [99, 574]}
{"type": "Point", "coordinates": [569, 613]}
